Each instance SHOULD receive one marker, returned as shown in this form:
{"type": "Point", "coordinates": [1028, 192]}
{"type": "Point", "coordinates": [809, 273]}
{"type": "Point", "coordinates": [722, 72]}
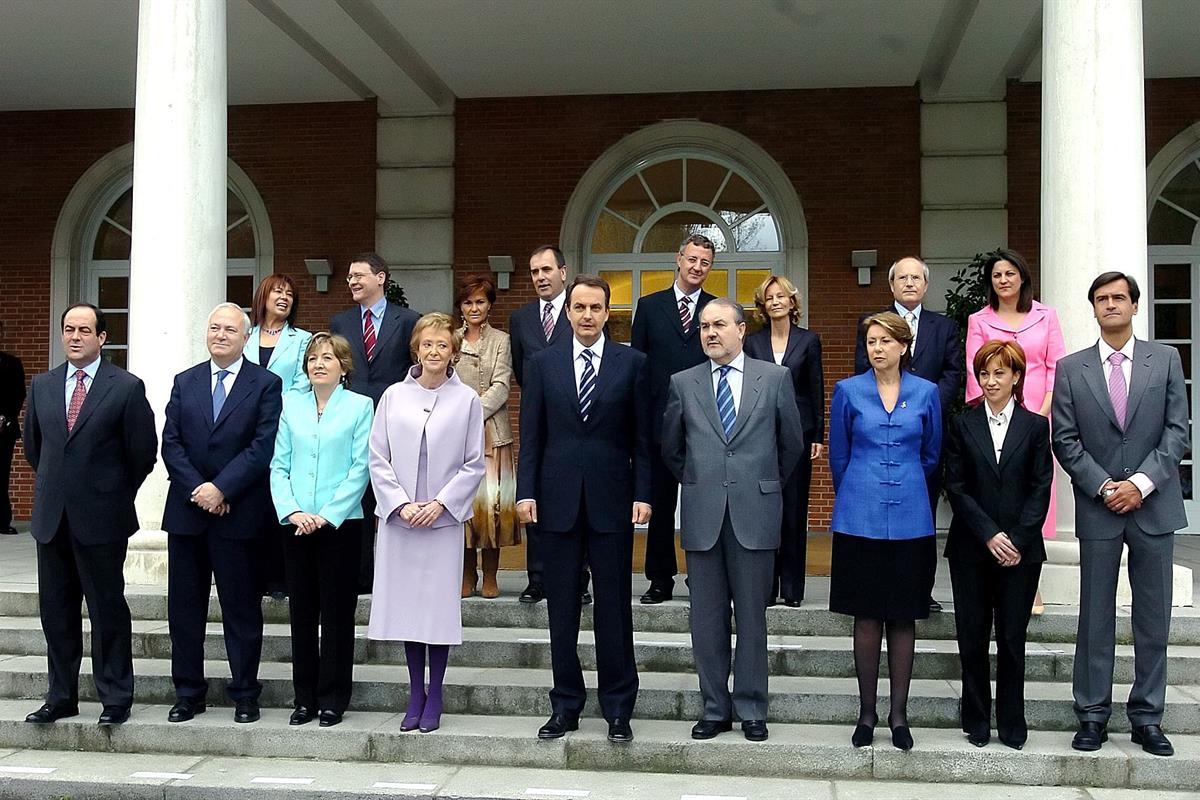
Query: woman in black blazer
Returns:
{"type": "Point", "coordinates": [783, 341]}
{"type": "Point", "coordinates": [998, 473]}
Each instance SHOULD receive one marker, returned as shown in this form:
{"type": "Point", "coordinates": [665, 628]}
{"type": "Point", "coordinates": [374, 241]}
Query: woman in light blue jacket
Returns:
{"type": "Point", "coordinates": [275, 341]}
{"type": "Point", "coordinates": [318, 476]}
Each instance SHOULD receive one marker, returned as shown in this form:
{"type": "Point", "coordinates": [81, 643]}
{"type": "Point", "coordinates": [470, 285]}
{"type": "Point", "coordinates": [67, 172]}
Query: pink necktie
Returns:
{"type": "Point", "coordinates": [369, 335]}
{"type": "Point", "coordinates": [548, 320]}
{"type": "Point", "coordinates": [685, 314]}
{"type": "Point", "coordinates": [1118, 392]}
{"type": "Point", "coordinates": [77, 398]}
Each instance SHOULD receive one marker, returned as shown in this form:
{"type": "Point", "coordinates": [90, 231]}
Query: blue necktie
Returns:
{"type": "Point", "coordinates": [725, 401]}
{"type": "Point", "coordinates": [219, 394]}
{"type": "Point", "coordinates": [587, 384]}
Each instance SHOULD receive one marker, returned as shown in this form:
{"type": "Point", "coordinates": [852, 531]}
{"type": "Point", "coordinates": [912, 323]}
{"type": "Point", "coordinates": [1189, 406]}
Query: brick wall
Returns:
{"type": "Point", "coordinates": [853, 155]}
{"type": "Point", "coordinates": [314, 166]}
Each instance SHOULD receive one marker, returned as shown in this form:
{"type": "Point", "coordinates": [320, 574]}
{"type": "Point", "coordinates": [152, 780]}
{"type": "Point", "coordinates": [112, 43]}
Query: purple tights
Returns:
{"type": "Point", "coordinates": [425, 706]}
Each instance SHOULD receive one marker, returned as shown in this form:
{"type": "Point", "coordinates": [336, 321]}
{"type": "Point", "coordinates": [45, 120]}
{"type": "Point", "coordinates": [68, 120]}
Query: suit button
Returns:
{"type": "Point", "coordinates": [1124, 441]}
{"type": "Point", "coordinates": [1128, 470]}
{"type": "Point", "coordinates": [730, 453]}
{"type": "Point", "coordinates": [724, 483]}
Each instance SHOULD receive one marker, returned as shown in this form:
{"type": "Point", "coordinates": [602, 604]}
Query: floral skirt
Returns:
{"type": "Point", "coordinates": [495, 521]}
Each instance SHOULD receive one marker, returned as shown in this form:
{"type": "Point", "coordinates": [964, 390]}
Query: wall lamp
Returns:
{"type": "Point", "coordinates": [503, 266]}
{"type": "Point", "coordinates": [321, 269]}
{"type": "Point", "coordinates": [864, 261]}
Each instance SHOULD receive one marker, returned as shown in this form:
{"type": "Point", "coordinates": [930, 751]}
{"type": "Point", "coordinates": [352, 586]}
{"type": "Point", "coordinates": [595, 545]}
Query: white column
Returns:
{"type": "Point", "coordinates": [179, 180]}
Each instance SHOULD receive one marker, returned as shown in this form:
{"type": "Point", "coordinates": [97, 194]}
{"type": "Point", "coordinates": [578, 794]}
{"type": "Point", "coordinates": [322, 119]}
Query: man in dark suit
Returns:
{"type": "Point", "coordinates": [937, 354]}
{"type": "Point", "coordinates": [380, 333]}
{"type": "Point", "coordinates": [666, 328]}
{"type": "Point", "coordinates": [1120, 430]}
{"type": "Point", "coordinates": [532, 328]}
{"type": "Point", "coordinates": [732, 436]}
{"type": "Point", "coordinates": [12, 397]}
{"type": "Point", "coordinates": [89, 435]}
{"type": "Point", "coordinates": [217, 446]}
{"type": "Point", "coordinates": [584, 478]}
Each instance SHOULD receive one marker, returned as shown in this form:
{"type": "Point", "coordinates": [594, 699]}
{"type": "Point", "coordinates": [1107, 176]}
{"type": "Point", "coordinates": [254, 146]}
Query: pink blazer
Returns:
{"type": "Point", "coordinates": [1039, 335]}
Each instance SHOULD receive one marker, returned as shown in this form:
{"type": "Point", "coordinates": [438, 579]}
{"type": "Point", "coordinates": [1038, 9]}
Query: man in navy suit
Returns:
{"type": "Point", "coordinates": [217, 446]}
{"type": "Point", "coordinates": [89, 435]}
{"type": "Point", "coordinates": [380, 333]}
{"type": "Point", "coordinates": [937, 353]}
{"type": "Point", "coordinates": [584, 477]}
{"type": "Point", "coordinates": [667, 329]}
{"type": "Point", "coordinates": [532, 328]}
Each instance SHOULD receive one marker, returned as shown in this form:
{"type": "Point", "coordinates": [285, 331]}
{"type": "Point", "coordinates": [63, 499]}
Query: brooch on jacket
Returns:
{"type": "Point", "coordinates": [904, 404]}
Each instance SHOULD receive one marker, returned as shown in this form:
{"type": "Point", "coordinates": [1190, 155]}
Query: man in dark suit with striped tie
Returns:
{"type": "Point", "coordinates": [584, 478]}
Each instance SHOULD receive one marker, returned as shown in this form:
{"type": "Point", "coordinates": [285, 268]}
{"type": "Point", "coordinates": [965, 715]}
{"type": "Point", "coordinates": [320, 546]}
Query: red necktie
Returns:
{"type": "Point", "coordinates": [77, 398]}
{"type": "Point", "coordinates": [369, 335]}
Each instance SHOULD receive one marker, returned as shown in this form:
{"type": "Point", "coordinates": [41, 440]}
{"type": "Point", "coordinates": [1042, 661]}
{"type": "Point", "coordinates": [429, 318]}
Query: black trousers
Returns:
{"type": "Point", "coordinates": [611, 558]}
{"type": "Point", "coordinates": [322, 573]}
{"type": "Point", "coordinates": [7, 443]}
{"type": "Point", "coordinates": [987, 593]}
{"type": "Point", "coordinates": [661, 566]}
{"type": "Point", "coordinates": [271, 559]}
{"type": "Point", "coordinates": [193, 563]}
{"type": "Point", "coordinates": [366, 558]}
{"type": "Point", "coordinates": [792, 557]}
{"type": "Point", "coordinates": [68, 572]}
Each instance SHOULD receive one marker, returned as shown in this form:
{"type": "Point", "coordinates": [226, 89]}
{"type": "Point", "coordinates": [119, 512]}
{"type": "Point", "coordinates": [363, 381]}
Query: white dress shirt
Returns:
{"type": "Point", "coordinates": [998, 424]}
{"type": "Point", "coordinates": [914, 326]}
{"type": "Point", "coordinates": [89, 378]}
{"type": "Point", "coordinates": [556, 305]}
{"type": "Point", "coordinates": [577, 349]}
{"type": "Point", "coordinates": [733, 378]}
{"type": "Point", "coordinates": [692, 298]}
{"type": "Point", "coordinates": [1138, 479]}
{"type": "Point", "coordinates": [232, 369]}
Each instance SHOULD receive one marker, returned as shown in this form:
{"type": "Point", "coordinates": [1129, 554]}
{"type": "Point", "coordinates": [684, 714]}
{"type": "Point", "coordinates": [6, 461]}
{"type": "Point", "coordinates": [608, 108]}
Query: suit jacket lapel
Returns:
{"type": "Point", "coordinates": [1093, 374]}
{"type": "Point", "coordinates": [671, 309]}
{"type": "Point", "coordinates": [58, 404]}
{"type": "Point", "coordinates": [356, 341]}
{"type": "Point", "coordinates": [1139, 378]}
{"type": "Point", "coordinates": [606, 370]}
{"type": "Point", "coordinates": [751, 385]}
{"type": "Point", "coordinates": [391, 314]}
{"type": "Point", "coordinates": [977, 424]}
{"type": "Point", "coordinates": [101, 385]}
{"type": "Point", "coordinates": [793, 342]}
{"type": "Point", "coordinates": [562, 325]}
{"type": "Point", "coordinates": [708, 398]}
{"type": "Point", "coordinates": [1018, 432]}
{"type": "Point", "coordinates": [201, 388]}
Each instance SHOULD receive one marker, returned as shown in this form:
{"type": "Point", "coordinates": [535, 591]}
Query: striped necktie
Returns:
{"type": "Point", "coordinates": [369, 334]}
{"type": "Point", "coordinates": [685, 314]}
{"type": "Point", "coordinates": [725, 401]}
{"type": "Point", "coordinates": [548, 321]}
{"type": "Point", "coordinates": [587, 384]}
{"type": "Point", "coordinates": [1118, 391]}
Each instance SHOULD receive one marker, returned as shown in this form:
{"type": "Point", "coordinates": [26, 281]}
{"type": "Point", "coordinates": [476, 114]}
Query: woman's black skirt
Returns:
{"type": "Point", "coordinates": [882, 578]}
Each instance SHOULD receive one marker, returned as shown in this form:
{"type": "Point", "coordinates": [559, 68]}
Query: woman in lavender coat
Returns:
{"type": "Point", "coordinates": [426, 464]}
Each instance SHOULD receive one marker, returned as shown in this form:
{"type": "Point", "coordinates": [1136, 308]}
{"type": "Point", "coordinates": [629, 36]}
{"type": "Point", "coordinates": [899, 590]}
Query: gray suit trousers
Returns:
{"type": "Point", "coordinates": [724, 573]}
{"type": "Point", "coordinates": [1150, 560]}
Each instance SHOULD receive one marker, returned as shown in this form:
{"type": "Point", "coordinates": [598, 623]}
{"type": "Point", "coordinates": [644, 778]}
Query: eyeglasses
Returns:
{"type": "Point", "coordinates": [357, 276]}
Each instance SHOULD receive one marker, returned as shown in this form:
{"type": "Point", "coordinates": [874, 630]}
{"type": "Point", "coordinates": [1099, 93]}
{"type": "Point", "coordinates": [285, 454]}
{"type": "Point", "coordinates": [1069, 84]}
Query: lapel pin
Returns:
{"type": "Point", "coordinates": [904, 404]}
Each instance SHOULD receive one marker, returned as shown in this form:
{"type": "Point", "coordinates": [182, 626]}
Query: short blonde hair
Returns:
{"type": "Point", "coordinates": [437, 321]}
{"type": "Point", "coordinates": [896, 327]}
{"type": "Point", "coordinates": [340, 348]}
{"type": "Point", "coordinates": [760, 298]}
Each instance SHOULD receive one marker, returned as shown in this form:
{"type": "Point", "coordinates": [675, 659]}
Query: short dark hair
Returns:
{"type": "Point", "coordinates": [595, 281]}
{"type": "Point", "coordinates": [1135, 293]}
{"type": "Point", "coordinates": [1025, 299]}
{"type": "Point", "coordinates": [476, 283]}
{"type": "Point", "coordinates": [739, 313]}
{"type": "Point", "coordinates": [374, 261]}
{"type": "Point", "coordinates": [559, 258]}
{"type": "Point", "coordinates": [258, 306]}
{"type": "Point", "coordinates": [101, 323]}
{"type": "Point", "coordinates": [700, 240]}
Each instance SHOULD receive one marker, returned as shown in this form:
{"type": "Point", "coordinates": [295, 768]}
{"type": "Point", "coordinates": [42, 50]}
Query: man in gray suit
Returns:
{"type": "Point", "coordinates": [1120, 429]}
{"type": "Point", "coordinates": [731, 435]}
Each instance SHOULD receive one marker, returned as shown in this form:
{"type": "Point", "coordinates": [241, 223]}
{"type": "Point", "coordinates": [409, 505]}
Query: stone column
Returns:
{"type": "Point", "coordinates": [177, 271]}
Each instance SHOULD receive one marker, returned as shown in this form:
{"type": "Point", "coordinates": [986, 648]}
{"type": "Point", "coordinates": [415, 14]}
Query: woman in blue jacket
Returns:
{"type": "Point", "coordinates": [318, 476]}
{"type": "Point", "coordinates": [885, 434]}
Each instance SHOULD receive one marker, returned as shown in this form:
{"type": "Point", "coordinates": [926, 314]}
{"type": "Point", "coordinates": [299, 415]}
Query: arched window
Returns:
{"type": "Point", "coordinates": [1174, 293]}
{"type": "Point", "coordinates": [658, 203]}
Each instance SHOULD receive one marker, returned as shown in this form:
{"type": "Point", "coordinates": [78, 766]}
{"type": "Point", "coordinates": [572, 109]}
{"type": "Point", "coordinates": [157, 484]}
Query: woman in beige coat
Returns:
{"type": "Point", "coordinates": [485, 365]}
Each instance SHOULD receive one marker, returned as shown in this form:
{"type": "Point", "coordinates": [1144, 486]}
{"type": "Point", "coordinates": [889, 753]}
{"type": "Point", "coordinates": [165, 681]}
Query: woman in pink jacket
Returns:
{"type": "Point", "coordinates": [1013, 315]}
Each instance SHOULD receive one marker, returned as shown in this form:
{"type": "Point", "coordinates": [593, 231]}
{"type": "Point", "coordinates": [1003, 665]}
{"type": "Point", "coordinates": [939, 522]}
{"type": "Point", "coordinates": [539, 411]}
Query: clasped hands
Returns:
{"type": "Point", "coordinates": [307, 523]}
{"type": "Point", "coordinates": [421, 514]}
{"type": "Point", "coordinates": [210, 499]}
{"type": "Point", "coordinates": [1003, 550]}
{"type": "Point", "coordinates": [527, 512]}
{"type": "Point", "coordinates": [1124, 497]}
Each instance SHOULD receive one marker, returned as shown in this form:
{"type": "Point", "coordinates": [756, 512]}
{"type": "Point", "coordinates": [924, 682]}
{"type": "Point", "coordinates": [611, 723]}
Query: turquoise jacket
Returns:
{"type": "Point", "coordinates": [287, 361]}
{"type": "Point", "coordinates": [320, 466]}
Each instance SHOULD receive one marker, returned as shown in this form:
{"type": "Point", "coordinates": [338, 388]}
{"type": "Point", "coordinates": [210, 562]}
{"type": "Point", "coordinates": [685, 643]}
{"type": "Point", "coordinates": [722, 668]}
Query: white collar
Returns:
{"type": "Point", "coordinates": [90, 370]}
{"type": "Point", "coordinates": [738, 363]}
{"type": "Point", "coordinates": [555, 302]}
{"type": "Point", "coordinates": [1006, 412]}
{"type": "Point", "coordinates": [1106, 351]}
{"type": "Point", "coordinates": [597, 347]}
{"type": "Point", "coordinates": [904, 312]}
{"type": "Point", "coordinates": [693, 298]}
{"type": "Point", "coordinates": [232, 369]}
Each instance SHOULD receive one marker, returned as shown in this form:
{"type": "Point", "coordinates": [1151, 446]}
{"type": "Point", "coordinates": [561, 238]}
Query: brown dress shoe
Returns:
{"type": "Point", "coordinates": [491, 564]}
{"type": "Point", "coordinates": [470, 576]}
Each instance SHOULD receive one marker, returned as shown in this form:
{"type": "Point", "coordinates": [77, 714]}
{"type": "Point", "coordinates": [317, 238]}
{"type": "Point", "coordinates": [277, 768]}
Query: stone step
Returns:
{"type": "Point", "coordinates": [811, 619]}
{"type": "Point", "coordinates": [810, 656]}
{"type": "Point", "coordinates": [505, 692]}
{"type": "Point", "coordinates": [660, 748]}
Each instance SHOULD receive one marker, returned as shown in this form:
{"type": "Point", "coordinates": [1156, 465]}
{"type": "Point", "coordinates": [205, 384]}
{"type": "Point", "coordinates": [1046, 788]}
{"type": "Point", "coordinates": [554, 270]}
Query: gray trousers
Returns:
{"type": "Point", "coordinates": [723, 574]}
{"type": "Point", "coordinates": [1150, 574]}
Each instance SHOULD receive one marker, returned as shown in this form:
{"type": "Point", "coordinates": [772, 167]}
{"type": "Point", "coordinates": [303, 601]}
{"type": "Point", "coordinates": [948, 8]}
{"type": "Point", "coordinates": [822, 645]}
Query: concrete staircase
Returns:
{"type": "Point", "coordinates": [496, 699]}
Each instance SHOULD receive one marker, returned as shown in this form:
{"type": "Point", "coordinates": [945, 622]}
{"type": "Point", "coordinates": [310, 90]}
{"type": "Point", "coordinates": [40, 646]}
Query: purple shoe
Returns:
{"type": "Point", "coordinates": [412, 717]}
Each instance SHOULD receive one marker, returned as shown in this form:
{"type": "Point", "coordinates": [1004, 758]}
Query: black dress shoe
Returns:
{"type": "Point", "coordinates": [1090, 736]}
{"type": "Point", "coordinates": [709, 728]}
{"type": "Point", "coordinates": [1153, 740]}
{"type": "Point", "coordinates": [557, 726]}
{"type": "Point", "coordinates": [533, 594]}
{"type": "Point", "coordinates": [980, 739]}
{"type": "Point", "coordinates": [585, 599]}
{"type": "Point", "coordinates": [1015, 744]}
{"type": "Point", "coordinates": [619, 731]}
{"type": "Point", "coordinates": [755, 729]}
{"type": "Point", "coordinates": [902, 738]}
{"type": "Point", "coordinates": [791, 602]}
{"type": "Point", "coordinates": [934, 605]}
{"type": "Point", "coordinates": [329, 718]}
{"type": "Point", "coordinates": [302, 716]}
{"type": "Point", "coordinates": [772, 601]}
{"type": "Point", "coordinates": [50, 713]}
{"type": "Point", "coordinates": [245, 710]}
{"type": "Point", "coordinates": [656, 594]}
{"type": "Point", "coordinates": [113, 715]}
{"type": "Point", "coordinates": [11, 531]}
{"type": "Point", "coordinates": [863, 735]}
{"type": "Point", "coordinates": [185, 710]}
